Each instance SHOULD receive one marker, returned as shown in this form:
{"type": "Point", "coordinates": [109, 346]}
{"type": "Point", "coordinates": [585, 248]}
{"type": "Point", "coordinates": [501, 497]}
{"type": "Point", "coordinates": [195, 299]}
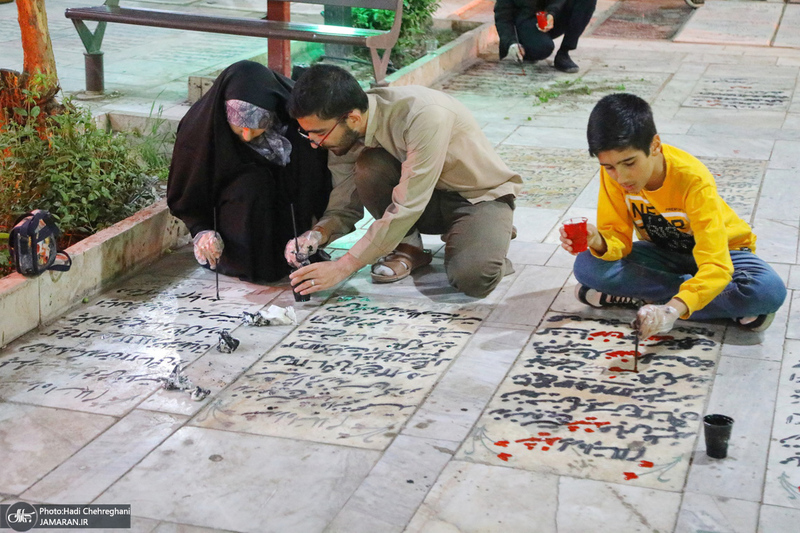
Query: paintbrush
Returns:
{"type": "Point", "coordinates": [216, 268]}
{"type": "Point", "coordinates": [636, 350]}
{"type": "Point", "coordinates": [301, 258]}
{"type": "Point", "coordinates": [520, 45]}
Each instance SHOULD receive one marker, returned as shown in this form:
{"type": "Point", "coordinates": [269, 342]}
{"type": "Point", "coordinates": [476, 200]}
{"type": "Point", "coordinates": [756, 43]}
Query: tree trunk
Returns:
{"type": "Point", "coordinates": [39, 77]}
{"type": "Point", "coordinates": [36, 44]}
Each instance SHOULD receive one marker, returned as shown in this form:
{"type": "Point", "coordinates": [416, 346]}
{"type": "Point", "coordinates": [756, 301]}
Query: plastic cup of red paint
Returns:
{"type": "Point", "coordinates": [576, 232]}
{"type": "Point", "coordinates": [541, 19]}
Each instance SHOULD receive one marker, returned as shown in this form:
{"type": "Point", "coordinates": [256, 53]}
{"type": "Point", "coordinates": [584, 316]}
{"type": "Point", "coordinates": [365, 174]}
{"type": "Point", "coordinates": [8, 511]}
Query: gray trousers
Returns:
{"type": "Point", "coordinates": [476, 236]}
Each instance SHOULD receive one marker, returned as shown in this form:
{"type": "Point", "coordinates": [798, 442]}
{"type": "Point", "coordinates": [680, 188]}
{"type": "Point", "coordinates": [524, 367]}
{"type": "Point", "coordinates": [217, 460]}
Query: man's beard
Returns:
{"type": "Point", "coordinates": [348, 140]}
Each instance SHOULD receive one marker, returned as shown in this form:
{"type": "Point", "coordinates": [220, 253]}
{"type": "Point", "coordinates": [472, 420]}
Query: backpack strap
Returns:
{"type": "Point", "coordinates": [62, 263]}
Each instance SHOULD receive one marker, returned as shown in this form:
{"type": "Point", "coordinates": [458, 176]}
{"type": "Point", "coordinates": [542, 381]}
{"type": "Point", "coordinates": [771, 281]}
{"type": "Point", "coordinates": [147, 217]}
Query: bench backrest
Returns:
{"type": "Point", "coordinates": [391, 5]}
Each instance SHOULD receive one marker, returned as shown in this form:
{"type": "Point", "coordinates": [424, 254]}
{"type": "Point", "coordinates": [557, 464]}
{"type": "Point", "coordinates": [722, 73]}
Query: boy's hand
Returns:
{"type": "Point", "coordinates": [593, 239]}
{"type": "Point", "coordinates": [652, 319]}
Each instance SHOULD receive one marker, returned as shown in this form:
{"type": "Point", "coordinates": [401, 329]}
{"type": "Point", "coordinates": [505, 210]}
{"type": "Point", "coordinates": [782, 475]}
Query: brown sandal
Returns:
{"type": "Point", "coordinates": [404, 260]}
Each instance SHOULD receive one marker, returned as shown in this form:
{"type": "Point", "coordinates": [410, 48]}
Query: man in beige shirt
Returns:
{"type": "Point", "coordinates": [419, 162]}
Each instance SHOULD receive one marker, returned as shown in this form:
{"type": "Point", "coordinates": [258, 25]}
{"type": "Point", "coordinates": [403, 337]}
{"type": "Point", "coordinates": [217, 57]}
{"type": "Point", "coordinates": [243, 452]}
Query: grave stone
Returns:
{"type": "Point", "coordinates": [351, 374]}
{"type": "Point", "coordinates": [571, 406]}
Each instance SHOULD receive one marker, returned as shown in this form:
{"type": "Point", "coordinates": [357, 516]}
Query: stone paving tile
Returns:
{"type": "Point", "coordinates": [767, 345]}
{"type": "Point", "coordinates": [397, 484]}
{"type": "Point", "coordinates": [475, 497]}
{"type": "Point", "coordinates": [571, 406]}
{"type": "Point", "coordinates": [241, 482]}
{"type": "Point", "coordinates": [531, 295]}
{"type": "Point", "coordinates": [453, 406]}
{"type": "Point", "coordinates": [50, 436]}
{"type": "Point", "coordinates": [787, 35]}
{"type": "Point", "coordinates": [742, 92]}
{"type": "Point", "coordinates": [742, 23]}
{"type": "Point", "coordinates": [551, 178]}
{"type": "Point", "coordinates": [609, 507]}
{"type": "Point", "coordinates": [780, 196]}
{"type": "Point", "coordinates": [774, 518]}
{"type": "Point", "coordinates": [785, 156]}
{"type": "Point", "coordinates": [738, 182]}
{"type": "Point", "coordinates": [777, 240]}
{"type": "Point", "coordinates": [85, 475]}
{"type": "Point", "coordinates": [701, 512]}
{"type": "Point", "coordinates": [782, 480]}
{"type": "Point", "coordinates": [741, 476]}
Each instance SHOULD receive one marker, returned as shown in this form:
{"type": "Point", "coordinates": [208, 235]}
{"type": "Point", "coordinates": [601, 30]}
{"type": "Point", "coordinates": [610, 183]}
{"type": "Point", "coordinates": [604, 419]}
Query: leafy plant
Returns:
{"type": "Point", "coordinates": [417, 20]}
{"type": "Point", "coordinates": [86, 177]}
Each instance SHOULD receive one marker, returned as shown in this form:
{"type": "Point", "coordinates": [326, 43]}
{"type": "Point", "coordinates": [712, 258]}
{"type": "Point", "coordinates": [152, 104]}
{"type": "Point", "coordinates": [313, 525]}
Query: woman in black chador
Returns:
{"type": "Point", "coordinates": [239, 154]}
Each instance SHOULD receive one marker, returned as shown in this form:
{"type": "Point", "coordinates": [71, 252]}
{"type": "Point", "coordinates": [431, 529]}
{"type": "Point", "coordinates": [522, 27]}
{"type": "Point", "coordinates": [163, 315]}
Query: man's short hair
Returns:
{"type": "Point", "coordinates": [620, 121]}
{"type": "Point", "coordinates": [326, 91]}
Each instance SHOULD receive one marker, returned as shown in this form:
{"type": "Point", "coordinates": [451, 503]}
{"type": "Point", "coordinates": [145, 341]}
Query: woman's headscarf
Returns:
{"type": "Point", "coordinates": [272, 144]}
{"type": "Point", "coordinates": [207, 154]}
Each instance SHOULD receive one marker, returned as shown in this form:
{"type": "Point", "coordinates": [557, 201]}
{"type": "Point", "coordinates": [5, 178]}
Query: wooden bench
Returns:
{"type": "Point", "coordinates": [276, 27]}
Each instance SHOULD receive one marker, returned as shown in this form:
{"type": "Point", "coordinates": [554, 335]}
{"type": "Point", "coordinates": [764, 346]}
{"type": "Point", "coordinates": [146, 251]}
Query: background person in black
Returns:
{"type": "Point", "coordinates": [238, 152]}
{"type": "Point", "coordinates": [564, 17]}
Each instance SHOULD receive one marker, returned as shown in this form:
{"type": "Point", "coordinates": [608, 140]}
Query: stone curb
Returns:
{"type": "Point", "coordinates": [97, 262]}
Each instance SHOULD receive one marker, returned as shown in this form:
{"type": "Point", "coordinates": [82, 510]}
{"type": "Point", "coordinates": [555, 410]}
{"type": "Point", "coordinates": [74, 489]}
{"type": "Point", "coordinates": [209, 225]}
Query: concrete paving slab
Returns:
{"type": "Point", "coordinates": [724, 22]}
{"type": "Point", "coordinates": [787, 35]}
{"type": "Point", "coordinates": [204, 477]}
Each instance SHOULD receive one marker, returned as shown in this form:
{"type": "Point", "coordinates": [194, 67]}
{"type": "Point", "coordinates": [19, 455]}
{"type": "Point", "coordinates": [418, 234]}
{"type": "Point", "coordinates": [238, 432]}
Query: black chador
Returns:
{"type": "Point", "coordinates": [213, 169]}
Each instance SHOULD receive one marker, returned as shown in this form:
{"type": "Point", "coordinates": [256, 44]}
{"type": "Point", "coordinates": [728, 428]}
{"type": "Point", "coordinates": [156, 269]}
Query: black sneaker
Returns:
{"type": "Point", "coordinates": [761, 323]}
{"type": "Point", "coordinates": [564, 63]}
{"type": "Point", "coordinates": [599, 299]}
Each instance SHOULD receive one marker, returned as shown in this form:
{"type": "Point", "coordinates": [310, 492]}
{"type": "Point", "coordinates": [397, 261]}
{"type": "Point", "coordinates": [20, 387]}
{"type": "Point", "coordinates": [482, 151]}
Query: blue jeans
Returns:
{"type": "Point", "coordinates": [655, 275]}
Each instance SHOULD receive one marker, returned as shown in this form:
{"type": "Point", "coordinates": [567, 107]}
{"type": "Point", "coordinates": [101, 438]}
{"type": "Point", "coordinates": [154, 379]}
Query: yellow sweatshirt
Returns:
{"type": "Point", "coordinates": [685, 215]}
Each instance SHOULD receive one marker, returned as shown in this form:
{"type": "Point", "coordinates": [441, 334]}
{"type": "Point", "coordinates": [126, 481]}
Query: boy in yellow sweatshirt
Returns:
{"type": "Point", "coordinates": [695, 258]}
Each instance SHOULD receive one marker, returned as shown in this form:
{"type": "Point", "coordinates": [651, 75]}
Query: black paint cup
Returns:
{"type": "Point", "coordinates": [717, 430]}
{"type": "Point", "coordinates": [300, 297]}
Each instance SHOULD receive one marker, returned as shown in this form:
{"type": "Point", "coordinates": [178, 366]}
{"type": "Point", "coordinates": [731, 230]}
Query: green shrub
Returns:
{"type": "Point", "coordinates": [417, 20]}
{"type": "Point", "coordinates": [87, 177]}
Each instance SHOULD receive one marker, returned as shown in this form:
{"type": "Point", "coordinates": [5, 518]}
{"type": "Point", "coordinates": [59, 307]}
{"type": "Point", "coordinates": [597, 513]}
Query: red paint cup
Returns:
{"type": "Point", "coordinates": [541, 19]}
{"type": "Point", "coordinates": [576, 232]}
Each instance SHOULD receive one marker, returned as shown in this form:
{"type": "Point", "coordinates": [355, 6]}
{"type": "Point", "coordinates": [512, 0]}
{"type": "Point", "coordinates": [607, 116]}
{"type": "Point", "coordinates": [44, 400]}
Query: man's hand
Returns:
{"type": "Point", "coordinates": [307, 244]}
{"type": "Point", "coordinates": [652, 319]}
{"type": "Point", "coordinates": [595, 241]}
{"type": "Point", "coordinates": [324, 275]}
{"type": "Point", "coordinates": [208, 247]}
{"type": "Point", "coordinates": [550, 23]}
{"type": "Point", "coordinates": [516, 52]}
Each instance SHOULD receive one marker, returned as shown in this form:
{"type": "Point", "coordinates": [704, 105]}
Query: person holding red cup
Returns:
{"type": "Point", "coordinates": [666, 243]}
{"type": "Point", "coordinates": [527, 29]}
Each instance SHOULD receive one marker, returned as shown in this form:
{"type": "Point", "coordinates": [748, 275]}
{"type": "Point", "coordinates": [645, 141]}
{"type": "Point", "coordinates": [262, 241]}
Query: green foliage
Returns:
{"type": "Point", "coordinates": [417, 20]}
{"type": "Point", "coordinates": [87, 177]}
{"type": "Point", "coordinates": [570, 87]}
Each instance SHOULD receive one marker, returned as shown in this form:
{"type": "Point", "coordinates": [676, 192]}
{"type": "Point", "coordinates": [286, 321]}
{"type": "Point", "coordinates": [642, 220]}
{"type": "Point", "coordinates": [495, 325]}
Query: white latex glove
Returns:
{"type": "Point", "coordinates": [208, 247]}
{"type": "Point", "coordinates": [652, 319]}
{"type": "Point", "coordinates": [307, 244]}
{"type": "Point", "coordinates": [516, 52]}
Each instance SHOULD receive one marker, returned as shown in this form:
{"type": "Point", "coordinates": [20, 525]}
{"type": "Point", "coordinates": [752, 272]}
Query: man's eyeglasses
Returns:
{"type": "Point", "coordinates": [304, 134]}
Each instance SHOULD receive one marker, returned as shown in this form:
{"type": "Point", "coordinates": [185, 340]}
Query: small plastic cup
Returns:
{"type": "Point", "coordinates": [431, 45]}
{"type": "Point", "coordinates": [576, 232]}
{"type": "Point", "coordinates": [541, 19]}
{"type": "Point", "coordinates": [300, 297]}
{"type": "Point", "coordinates": [717, 429]}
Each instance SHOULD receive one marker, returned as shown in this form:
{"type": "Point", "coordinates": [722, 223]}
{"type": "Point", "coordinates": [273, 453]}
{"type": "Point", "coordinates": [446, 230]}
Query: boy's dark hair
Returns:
{"type": "Point", "coordinates": [327, 91]}
{"type": "Point", "coordinates": [620, 121]}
